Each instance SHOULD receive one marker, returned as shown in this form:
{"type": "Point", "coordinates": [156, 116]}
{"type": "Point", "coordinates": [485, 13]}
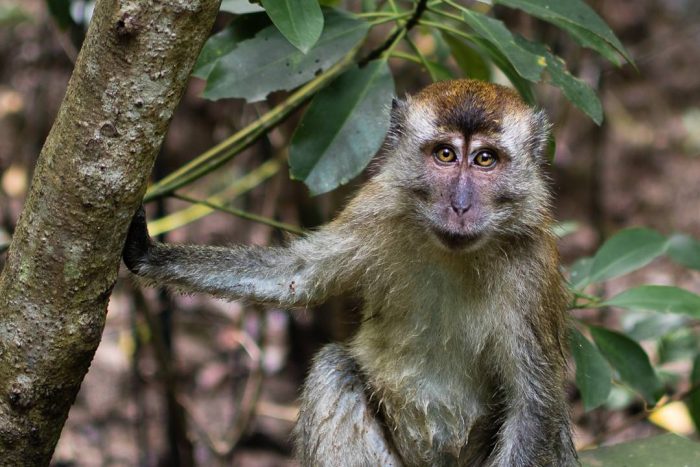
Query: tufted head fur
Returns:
{"type": "Point", "coordinates": [462, 203]}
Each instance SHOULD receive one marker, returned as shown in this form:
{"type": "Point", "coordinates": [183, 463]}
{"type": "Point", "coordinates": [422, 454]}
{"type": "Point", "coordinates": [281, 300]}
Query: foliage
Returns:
{"type": "Point", "coordinates": [248, 60]}
{"type": "Point", "coordinates": [623, 253]}
{"type": "Point", "coordinates": [666, 449]}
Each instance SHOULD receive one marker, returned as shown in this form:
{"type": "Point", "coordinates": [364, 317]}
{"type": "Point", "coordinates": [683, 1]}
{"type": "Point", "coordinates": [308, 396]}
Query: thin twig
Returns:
{"type": "Point", "coordinates": [237, 188]}
{"type": "Point", "coordinates": [406, 56]}
{"type": "Point", "coordinates": [287, 413]}
{"type": "Point", "coordinates": [164, 365]}
{"type": "Point", "coordinates": [449, 29]}
{"type": "Point", "coordinates": [421, 57]}
{"type": "Point", "coordinates": [137, 387]}
{"type": "Point", "coordinates": [421, 6]}
{"type": "Point", "coordinates": [251, 392]}
{"type": "Point", "coordinates": [223, 446]}
{"type": "Point", "coordinates": [242, 214]}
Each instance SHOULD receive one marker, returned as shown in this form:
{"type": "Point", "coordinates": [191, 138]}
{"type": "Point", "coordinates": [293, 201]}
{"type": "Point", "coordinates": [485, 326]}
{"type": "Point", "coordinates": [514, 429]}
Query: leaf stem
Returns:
{"type": "Point", "coordinates": [421, 58]}
{"type": "Point", "coordinates": [237, 188]}
{"type": "Point", "coordinates": [445, 14]}
{"type": "Point", "coordinates": [592, 298]}
{"type": "Point", "coordinates": [455, 5]}
{"type": "Point", "coordinates": [242, 214]}
{"type": "Point", "coordinates": [391, 41]}
{"type": "Point", "coordinates": [406, 56]}
{"type": "Point", "coordinates": [449, 29]}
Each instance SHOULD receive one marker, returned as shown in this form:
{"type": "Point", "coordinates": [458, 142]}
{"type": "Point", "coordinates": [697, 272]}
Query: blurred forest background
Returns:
{"type": "Point", "coordinates": [190, 377]}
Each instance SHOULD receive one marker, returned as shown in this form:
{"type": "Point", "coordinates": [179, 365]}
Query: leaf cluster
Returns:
{"type": "Point", "coordinates": [656, 314]}
{"type": "Point", "coordinates": [280, 45]}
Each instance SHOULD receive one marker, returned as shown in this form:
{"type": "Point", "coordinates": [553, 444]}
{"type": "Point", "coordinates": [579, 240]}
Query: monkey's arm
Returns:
{"type": "Point", "coordinates": [305, 272]}
{"type": "Point", "coordinates": [536, 429]}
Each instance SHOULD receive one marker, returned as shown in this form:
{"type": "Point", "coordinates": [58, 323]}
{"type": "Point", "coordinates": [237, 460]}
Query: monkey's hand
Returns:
{"type": "Point", "coordinates": [138, 242]}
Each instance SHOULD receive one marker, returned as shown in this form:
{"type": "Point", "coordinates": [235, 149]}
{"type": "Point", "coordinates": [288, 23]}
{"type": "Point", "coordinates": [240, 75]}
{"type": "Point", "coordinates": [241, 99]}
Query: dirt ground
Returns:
{"type": "Point", "coordinates": [235, 371]}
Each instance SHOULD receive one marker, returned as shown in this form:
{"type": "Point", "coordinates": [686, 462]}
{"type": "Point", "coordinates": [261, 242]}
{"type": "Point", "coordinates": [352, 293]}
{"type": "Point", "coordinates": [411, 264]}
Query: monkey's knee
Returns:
{"type": "Point", "coordinates": [337, 425]}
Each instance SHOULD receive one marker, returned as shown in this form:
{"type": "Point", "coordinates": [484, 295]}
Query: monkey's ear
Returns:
{"type": "Point", "coordinates": [398, 109]}
{"type": "Point", "coordinates": [398, 118]}
{"type": "Point", "coordinates": [540, 143]}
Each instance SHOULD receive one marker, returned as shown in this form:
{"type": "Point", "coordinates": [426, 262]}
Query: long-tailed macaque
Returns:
{"type": "Point", "coordinates": [458, 360]}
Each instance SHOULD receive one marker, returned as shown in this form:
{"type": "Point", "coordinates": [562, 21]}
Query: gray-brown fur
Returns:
{"type": "Point", "coordinates": [337, 421]}
{"type": "Point", "coordinates": [459, 359]}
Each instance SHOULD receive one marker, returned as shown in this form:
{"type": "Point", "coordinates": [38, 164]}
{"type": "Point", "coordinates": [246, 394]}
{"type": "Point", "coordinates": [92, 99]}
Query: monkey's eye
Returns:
{"type": "Point", "coordinates": [445, 154]}
{"type": "Point", "coordinates": [485, 159]}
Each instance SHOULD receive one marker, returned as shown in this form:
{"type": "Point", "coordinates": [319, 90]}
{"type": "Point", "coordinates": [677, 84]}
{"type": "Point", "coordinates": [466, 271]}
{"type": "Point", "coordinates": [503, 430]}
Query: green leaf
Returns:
{"type": "Point", "coordinates": [630, 361]}
{"type": "Point", "coordinates": [580, 273]}
{"type": "Point", "coordinates": [647, 325]}
{"type": "Point", "coordinates": [669, 450]}
{"type": "Point", "coordinates": [469, 61]}
{"type": "Point", "coordinates": [241, 28]}
{"type": "Point", "coordinates": [551, 150]}
{"type": "Point", "coordinates": [564, 228]}
{"type": "Point", "coordinates": [576, 90]}
{"type": "Point", "coordinates": [659, 298]}
{"type": "Point", "coordinates": [693, 401]}
{"type": "Point", "coordinates": [300, 21]}
{"type": "Point", "coordinates": [343, 128]}
{"type": "Point", "coordinates": [522, 85]}
{"type": "Point", "coordinates": [626, 251]}
{"type": "Point", "coordinates": [268, 62]}
{"type": "Point", "coordinates": [680, 345]}
{"type": "Point", "coordinates": [573, 16]}
{"type": "Point", "coordinates": [586, 38]}
{"type": "Point", "coordinates": [240, 7]}
{"type": "Point", "coordinates": [684, 250]}
{"type": "Point", "coordinates": [593, 376]}
{"type": "Point", "coordinates": [438, 72]}
{"type": "Point", "coordinates": [441, 51]}
{"type": "Point", "coordinates": [369, 5]}
{"type": "Point", "coordinates": [527, 64]}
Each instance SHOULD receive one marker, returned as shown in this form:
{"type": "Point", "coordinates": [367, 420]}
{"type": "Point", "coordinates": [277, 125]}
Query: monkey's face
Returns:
{"type": "Point", "coordinates": [468, 154]}
{"type": "Point", "coordinates": [460, 196]}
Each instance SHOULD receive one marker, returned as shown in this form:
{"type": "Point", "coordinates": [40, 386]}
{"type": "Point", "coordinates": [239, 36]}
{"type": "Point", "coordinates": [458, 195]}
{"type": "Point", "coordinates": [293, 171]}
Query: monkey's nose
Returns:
{"type": "Point", "coordinates": [461, 208]}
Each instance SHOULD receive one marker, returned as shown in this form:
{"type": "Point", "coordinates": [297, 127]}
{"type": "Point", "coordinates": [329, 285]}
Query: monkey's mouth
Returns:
{"type": "Point", "coordinates": [456, 240]}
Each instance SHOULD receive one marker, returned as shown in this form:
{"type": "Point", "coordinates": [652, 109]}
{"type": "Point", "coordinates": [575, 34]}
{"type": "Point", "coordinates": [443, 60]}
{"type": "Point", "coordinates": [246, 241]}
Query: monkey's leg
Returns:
{"type": "Point", "coordinates": [337, 426]}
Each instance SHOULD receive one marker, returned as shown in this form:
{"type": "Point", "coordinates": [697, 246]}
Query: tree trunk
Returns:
{"type": "Point", "coordinates": [89, 180]}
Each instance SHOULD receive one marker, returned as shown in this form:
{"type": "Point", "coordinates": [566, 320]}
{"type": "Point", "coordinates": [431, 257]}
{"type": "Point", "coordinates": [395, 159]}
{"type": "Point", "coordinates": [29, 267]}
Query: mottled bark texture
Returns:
{"type": "Point", "coordinates": [89, 180]}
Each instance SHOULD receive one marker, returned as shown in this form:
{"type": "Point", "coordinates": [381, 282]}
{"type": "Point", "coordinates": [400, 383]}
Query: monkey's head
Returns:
{"type": "Point", "coordinates": [468, 155]}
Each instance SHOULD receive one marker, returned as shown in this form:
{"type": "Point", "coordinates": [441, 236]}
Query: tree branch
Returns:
{"type": "Point", "coordinates": [89, 179]}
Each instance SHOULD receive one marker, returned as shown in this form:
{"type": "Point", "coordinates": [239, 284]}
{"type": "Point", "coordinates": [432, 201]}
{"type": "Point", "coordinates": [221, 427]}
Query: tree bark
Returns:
{"type": "Point", "coordinates": [89, 180]}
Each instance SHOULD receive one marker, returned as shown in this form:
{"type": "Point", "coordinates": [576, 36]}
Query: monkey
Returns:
{"type": "Point", "coordinates": [459, 359]}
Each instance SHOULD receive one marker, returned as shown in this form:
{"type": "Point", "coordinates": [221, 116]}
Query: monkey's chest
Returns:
{"type": "Point", "coordinates": [428, 354]}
